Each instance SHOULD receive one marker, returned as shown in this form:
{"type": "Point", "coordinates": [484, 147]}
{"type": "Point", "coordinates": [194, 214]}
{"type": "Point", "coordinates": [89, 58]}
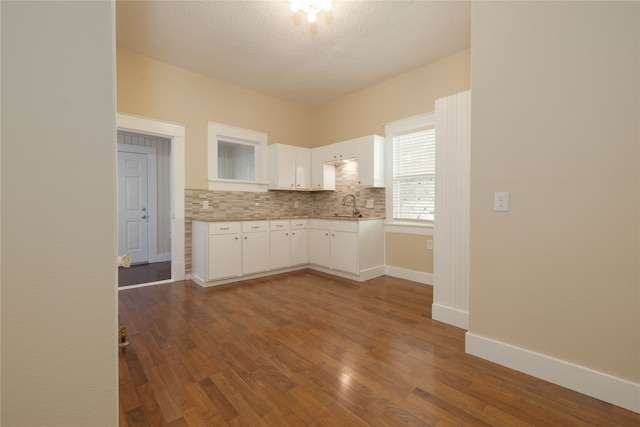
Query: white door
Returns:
{"type": "Point", "coordinates": [132, 206]}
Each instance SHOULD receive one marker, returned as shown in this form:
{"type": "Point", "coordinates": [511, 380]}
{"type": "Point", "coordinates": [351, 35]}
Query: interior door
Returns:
{"type": "Point", "coordinates": [132, 206]}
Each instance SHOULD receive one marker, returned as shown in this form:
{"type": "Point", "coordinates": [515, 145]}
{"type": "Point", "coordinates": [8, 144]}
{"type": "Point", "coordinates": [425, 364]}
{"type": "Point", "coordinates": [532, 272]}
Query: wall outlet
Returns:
{"type": "Point", "coordinates": [205, 204]}
{"type": "Point", "coordinates": [501, 201]}
{"type": "Point", "coordinates": [429, 244]}
{"type": "Point", "coordinates": [369, 204]}
{"type": "Point", "coordinates": [296, 204]}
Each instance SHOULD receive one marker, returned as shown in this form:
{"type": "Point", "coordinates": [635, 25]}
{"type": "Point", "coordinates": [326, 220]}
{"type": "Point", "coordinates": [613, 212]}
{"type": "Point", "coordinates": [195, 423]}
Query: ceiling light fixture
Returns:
{"type": "Point", "coordinates": [311, 7]}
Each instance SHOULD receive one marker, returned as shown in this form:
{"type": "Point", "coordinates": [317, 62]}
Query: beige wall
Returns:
{"type": "Point", "coordinates": [556, 123]}
{"type": "Point", "coordinates": [157, 90]}
{"type": "Point", "coordinates": [409, 251]}
{"type": "Point", "coordinates": [58, 278]}
{"type": "Point", "coordinates": [366, 112]}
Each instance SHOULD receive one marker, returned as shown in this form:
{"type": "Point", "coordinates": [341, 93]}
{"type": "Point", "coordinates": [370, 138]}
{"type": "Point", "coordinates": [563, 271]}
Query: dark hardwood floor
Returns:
{"type": "Point", "coordinates": [144, 273]}
{"type": "Point", "coordinates": [309, 349]}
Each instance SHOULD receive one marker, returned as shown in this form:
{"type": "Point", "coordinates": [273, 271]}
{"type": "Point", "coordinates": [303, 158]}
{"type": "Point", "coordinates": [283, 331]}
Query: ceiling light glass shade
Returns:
{"type": "Point", "coordinates": [311, 7]}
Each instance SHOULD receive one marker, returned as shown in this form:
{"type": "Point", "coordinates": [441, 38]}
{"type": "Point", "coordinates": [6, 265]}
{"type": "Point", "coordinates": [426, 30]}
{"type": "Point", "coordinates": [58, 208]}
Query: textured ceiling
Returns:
{"type": "Point", "coordinates": [262, 46]}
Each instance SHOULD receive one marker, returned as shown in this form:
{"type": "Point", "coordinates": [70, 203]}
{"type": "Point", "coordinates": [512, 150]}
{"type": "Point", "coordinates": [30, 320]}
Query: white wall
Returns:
{"type": "Point", "coordinates": [555, 121]}
{"type": "Point", "coordinates": [58, 249]}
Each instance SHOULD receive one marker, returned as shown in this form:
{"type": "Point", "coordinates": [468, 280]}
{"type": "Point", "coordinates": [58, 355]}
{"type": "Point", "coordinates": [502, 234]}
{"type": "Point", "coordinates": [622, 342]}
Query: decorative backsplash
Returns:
{"type": "Point", "coordinates": [232, 205]}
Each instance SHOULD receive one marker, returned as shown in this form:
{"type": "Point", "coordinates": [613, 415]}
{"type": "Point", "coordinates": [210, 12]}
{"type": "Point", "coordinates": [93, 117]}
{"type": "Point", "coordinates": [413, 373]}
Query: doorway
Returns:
{"type": "Point", "coordinates": [176, 134]}
{"type": "Point", "coordinates": [144, 207]}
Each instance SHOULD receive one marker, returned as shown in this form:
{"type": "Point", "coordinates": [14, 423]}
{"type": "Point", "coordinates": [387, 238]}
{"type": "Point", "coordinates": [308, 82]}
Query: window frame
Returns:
{"type": "Point", "coordinates": [219, 132]}
{"type": "Point", "coordinates": [401, 127]}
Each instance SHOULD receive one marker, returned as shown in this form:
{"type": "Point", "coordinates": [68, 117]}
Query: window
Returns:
{"type": "Point", "coordinates": [410, 153]}
{"type": "Point", "coordinates": [413, 176]}
{"type": "Point", "coordinates": [237, 159]}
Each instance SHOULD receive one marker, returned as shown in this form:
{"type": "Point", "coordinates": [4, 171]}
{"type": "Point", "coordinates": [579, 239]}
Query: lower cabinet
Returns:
{"type": "Point", "coordinates": [289, 243]}
{"type": "Point", "coordinates": [255, 246]}
{"type": "Point", "coordinates": [224, 251]}
{"type": "Point", "coordinates": [353, 247]}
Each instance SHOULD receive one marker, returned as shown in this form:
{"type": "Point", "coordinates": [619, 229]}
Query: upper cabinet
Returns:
{"type": "Point", "coordinates": [289, 167]}
{"type": "Point", "coordinates": [323, 174]}
{"type": "Point", "coordinates": [339, 151]}
{"type": "Point", "coordinates": [370, 154]}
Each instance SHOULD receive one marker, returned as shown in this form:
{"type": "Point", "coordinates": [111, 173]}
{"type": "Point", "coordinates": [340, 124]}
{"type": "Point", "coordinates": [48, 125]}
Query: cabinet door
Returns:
{"type": "Point", "coordinates": [323, 176]}
{"type": "Point", "coordinates": [255, 252]}
{"type": "Point", "coordinates": [320, 247]}
{"type": "Point", "coordinates": [225, 256]}
{"type": "Point", "coordinates": [344, 251]}
{"type": "Point", "coordinates": [364, 149]}
{"type": "Point", "coordinates": [280, 249]}
{"type": "Point", "coordinates": [282, 166]}
{"type": "Point", "coordinates": [370, 152]}
{"type": "Point", "coordinates": [303, 168]}
{"type": "Point", "coordinates": [299, 247]}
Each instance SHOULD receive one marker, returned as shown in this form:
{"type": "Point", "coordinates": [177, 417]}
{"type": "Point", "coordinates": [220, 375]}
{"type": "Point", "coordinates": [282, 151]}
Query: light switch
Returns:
{"type": "Point", "coordinates": [501, 201]}
{"type": "Point", "coordinates": [205, 204]}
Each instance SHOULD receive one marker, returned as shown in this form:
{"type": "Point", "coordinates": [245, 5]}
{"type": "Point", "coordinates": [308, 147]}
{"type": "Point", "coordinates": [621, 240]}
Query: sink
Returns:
{"type": "Point", "coordinates": [347, 216]}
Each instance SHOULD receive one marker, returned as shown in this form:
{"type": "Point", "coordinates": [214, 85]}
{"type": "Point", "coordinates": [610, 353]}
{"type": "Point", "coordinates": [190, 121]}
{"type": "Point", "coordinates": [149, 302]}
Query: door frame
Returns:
{"type": "Point", "coordinates": [152, 197]}
{"type": "Point", "coordinates": [176, 133]}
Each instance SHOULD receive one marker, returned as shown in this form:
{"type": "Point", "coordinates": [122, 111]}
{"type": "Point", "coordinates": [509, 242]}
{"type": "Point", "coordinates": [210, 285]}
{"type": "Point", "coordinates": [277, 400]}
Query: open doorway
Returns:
{"type": "Point", "coordinates": [144, 207]}
{"type": "Point", "coordinates": [140, 140]}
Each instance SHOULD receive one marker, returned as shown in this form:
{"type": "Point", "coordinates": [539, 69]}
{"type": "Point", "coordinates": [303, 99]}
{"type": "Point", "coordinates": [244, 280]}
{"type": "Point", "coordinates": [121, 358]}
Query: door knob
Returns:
{"type": "Point", "coordinates": [144, 217]}
{"type": "Point", "coordinates": [144, 209]}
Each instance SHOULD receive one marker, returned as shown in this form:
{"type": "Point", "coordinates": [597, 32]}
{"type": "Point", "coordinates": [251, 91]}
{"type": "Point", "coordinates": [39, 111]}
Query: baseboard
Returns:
{"type": "Point", "coordinates": [450, 315]}
{"type": "Point", "coordinates": [403, 273]}
{"type": "Point", "coordinates": [596, 384]}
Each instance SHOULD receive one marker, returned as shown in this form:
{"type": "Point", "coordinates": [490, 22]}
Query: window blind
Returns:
{"type": "Point", "coordinates": [414, 176]}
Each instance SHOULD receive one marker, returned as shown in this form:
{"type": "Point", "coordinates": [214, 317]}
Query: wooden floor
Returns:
{"type": "Point", "coordinates": [309, 349]}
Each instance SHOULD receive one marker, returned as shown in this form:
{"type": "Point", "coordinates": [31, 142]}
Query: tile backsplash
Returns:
{"type": "Point", "coordinates": [247, 205]}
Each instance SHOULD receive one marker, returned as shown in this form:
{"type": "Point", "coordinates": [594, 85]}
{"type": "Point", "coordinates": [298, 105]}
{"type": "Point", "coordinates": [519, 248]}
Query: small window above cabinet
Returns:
{"type": "Point", "coordinates": [237, 159]}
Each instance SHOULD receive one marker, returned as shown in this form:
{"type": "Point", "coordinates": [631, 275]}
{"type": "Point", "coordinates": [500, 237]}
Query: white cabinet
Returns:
{"type": "Point", "coordinates": [255, 246]}
{"type": "Point", "coordinates": [320, 243]}
{"type": "Point", "coordinates": [344, 150]}
{"type": "Point", "coordinates": [289, 243]}
{"type": "Point", "coordinates": [289, 167]}
{"type": "Point", "coordinates": [323, 175]}
{"type": "Point", "coordinates": [353, 247]}
{"type": "Point", "coordinates": [370, 154]}
{"type": "Point", "coordinates": [217, 250]}
{"type": "Point", "coordinates": [299, 242]}
{"type": "Point", "coordinates": [280, 244]}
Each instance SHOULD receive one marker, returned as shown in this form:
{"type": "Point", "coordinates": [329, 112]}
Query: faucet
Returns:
{"type": "Point", "coordinates": [353, 203]}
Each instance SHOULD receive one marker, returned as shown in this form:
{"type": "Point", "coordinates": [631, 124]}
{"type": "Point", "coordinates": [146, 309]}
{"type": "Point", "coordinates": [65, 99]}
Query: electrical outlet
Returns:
{"type": "Point", "coordinates": [296, 204]}
{"type": "Point", "coordinates": [205, 204]}
{"type": "Point", "coordinates": [429, 244]}
{"type": "Point", "coordinates": [501, 201]}
{"type": "Point", "coordinates": [369, 204]}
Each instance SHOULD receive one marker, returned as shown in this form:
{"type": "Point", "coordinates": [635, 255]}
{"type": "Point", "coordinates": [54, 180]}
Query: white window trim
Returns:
{"type": "Point", "coordinates": [393, 129]}
{"type": "Point", "coordinates": [260, 139]}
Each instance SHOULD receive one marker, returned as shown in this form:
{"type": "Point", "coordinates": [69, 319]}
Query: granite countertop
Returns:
{"type": "Point", "coordinates": [267, 218]}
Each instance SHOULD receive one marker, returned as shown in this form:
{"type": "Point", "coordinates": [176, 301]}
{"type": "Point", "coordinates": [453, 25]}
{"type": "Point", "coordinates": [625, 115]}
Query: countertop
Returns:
{"type": "Point", "coordinates": [269, 218]}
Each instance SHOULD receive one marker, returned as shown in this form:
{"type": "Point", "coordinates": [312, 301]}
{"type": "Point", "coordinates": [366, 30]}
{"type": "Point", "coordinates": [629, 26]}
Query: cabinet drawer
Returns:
{"type": "Point", "coordinates": [320, 224]}
{"type": "Point", "coordinates": [281, 224]}
{"type": "Point", "coordinates": [298, 224]}
{"type": "Point", "coordinates": [224, 227]}
{"type": "Point", "coordinates": [254, 226]}
{"type": "Point", "coordinates": [348, 226]}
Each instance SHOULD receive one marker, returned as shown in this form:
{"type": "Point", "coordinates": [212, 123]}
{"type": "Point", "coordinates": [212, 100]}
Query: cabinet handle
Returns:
{"type": "Point", "coordinates": [236, 238]}
{"type": "Point", "coordinates": [293, 234]}
{"type": "Point", "coordinates": [245, 237]}
{"type": "Point", "coordinates": [286, 234]}
{"type": "Point", "coordinates": [224, 228]}
{"type": "Point", "coordinates": [326, 234]}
